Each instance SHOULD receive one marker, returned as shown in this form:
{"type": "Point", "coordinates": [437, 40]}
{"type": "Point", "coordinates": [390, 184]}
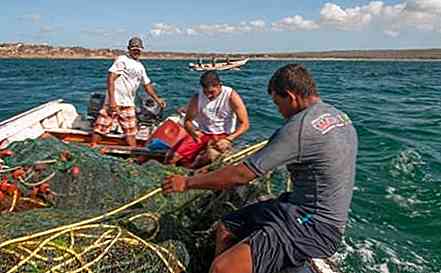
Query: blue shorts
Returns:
{"type": "Point", "coordinates": [280, 235]}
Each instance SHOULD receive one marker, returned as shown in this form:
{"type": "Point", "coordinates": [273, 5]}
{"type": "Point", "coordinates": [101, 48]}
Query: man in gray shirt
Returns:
{"type": "Point", "coordinates": [318, 145]}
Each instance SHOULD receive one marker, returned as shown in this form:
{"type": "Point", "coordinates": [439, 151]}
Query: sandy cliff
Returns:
{"type": "Point", "coordinates": [21, 50]}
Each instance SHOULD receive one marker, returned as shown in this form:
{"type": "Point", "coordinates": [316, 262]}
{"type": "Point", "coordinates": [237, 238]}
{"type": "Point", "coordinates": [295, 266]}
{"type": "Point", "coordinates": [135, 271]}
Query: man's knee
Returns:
{"type": "Point", "coordinates": [219, 265]}
{"type": "Point", "coordinates": [234, 260]}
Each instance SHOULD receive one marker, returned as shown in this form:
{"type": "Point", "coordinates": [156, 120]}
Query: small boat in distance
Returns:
{"type": "Point", "coordinates": [215, 65]}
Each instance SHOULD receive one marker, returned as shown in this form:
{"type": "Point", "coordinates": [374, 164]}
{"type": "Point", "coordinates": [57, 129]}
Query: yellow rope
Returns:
{"type": "Point", "coordinates": [40, 182]}
{"type": "Point", "coordinates": [156, 249]}
{"type": "Point", "coordinates": [104, 239]}
{"type": "Point", "coordinates": [246, 151]}
{"type": "Point", "coordinates": [155, 218]}
{"type": "Point", "coordinates": [126, 240]}
{"type": "Point", "coordinates": [40, 246]}
{"type": "Point", "coordinates": [75, 254]}
{"type": "Point", "coordinates": [89, 248]}
{"type": "Point", "coordinates": [14, 201]}
{"type": "Point", "coordinates": [87, 221]}
{"type": "Point", "coordinates": [10, 169]}
{"type": "Point", "coordinates": [33, 201]}
{"type": "Point", "coordinates": [39, 257]}
{"type": "Point", "coordinates": [106, 250]}
{"type": "Point", "coordinates": [11, 252]}
{"type": "Point", "coordinates": [81, 225]}
{"type": "Point", "coordinates": [45, 242]}
{"type": "Point", "coordinates": [70, 251]}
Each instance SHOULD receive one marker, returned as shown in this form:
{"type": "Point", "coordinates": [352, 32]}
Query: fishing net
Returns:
{"type": "Point", "coordinates": [69, 208]}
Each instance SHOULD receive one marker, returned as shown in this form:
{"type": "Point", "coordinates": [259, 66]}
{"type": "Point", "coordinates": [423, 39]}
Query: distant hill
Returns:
{"type": "Point", "coordinates": [21, 50]}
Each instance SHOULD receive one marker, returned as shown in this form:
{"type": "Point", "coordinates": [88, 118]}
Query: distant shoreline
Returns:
{"type": "Point", "coordinates": [35, 51]}
{"type": "Point", "coordinates": [251, 59]}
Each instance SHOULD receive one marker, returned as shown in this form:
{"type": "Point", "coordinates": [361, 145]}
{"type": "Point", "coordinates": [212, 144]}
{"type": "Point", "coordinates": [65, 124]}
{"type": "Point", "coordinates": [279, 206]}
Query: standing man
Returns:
{"type": "Point", "coordinates": [216, 108]}
{"type": "Point", "coordinates": [123, 80]}
{"type": "Point", "coordinates": [318, 145]}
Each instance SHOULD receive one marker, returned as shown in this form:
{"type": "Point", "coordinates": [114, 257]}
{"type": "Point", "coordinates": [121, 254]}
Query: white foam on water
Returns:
{"type": "Point", "coordinates": [365, 251]}
{"type": "Point", "coordinates": [407, 163]}
{"type": "Point", "coordinates": [404, 202]}
{"type": "Point", "coordinates": [383, 268]}
{"type": "Point", "coordinates": [379, 257]}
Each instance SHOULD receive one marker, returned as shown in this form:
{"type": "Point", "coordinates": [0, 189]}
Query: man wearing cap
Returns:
{"type": "Point", "coordinates": [123, 80]}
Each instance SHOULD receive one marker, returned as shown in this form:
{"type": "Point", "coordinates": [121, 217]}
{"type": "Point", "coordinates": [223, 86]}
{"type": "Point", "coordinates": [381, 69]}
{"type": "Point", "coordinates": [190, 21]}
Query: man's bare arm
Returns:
{"type": "Point", "coordinates": [225, 178]}
{"type": "Point", "coordinates": [190, 115]}
{"type": "Point", "coordinates": [242, 115]}
{"type": "Point", "coordinates": [150, 89]}
{"type": "Point", "coordinates": [111, 78]}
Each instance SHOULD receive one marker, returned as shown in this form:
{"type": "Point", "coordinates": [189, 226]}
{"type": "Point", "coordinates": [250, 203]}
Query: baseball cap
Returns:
{"type": "Point", "coordinates": [135, 43]}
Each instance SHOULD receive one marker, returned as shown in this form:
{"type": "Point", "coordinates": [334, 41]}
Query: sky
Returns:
{"type": "Point", "coordinates": [228, 26]}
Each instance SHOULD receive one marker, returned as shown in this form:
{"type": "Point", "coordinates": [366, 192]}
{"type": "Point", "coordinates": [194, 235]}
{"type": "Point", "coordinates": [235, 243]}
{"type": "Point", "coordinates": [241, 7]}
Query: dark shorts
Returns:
{"type": "Point", "coordinates": [281, 236]}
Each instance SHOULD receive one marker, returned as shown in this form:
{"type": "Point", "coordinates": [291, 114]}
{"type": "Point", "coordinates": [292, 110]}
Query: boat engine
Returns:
{"type": "Point", "coordinates": [96, 102]}
{"type": "Point", "coordinates": [148, 111]}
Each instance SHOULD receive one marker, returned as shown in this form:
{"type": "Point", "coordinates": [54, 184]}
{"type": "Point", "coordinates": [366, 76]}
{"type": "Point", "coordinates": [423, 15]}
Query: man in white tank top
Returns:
{"type": "Point", "coordinates": [221, 116]}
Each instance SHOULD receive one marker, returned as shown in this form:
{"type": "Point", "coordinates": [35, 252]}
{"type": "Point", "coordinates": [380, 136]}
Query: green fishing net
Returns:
{"type": "Point", "coordinates": [73, 209]}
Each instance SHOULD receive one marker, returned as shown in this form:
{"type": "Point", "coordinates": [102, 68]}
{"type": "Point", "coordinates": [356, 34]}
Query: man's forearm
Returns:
{"type": "Point", "coordinates": [188, 126]}
{"type": "Point", "coordinates": [239, 131]}
{"type": "Point", "coordinates": [111, 89]}
{"type": "Point", "coordinates": [152, 92]}
{"type": "Point", "coordinates": [225, 178]}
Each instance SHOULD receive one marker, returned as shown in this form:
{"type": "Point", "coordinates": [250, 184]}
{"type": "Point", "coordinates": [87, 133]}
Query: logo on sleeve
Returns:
{"type": "Point", "coordinates": [326, 122]}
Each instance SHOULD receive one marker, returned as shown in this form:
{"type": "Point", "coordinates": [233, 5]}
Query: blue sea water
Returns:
{"type": "Point", "coordinates": [395, 217]}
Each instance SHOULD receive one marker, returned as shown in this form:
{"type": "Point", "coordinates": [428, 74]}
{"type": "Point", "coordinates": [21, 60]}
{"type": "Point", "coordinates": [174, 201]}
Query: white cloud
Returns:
{"type": "Point", "coordinates": [294, 23]}
{"type": "Point", "coordinates": [221, 29]}
{"type": "Point", "coordinates": [104, 33]}
{"type": "Point", "coordinates": [34, 18]}
{"type": "Point", "coordinates": [48, 29]}
{"type": "Point", "coordinates": [160, 29]}
{"type": "Point", "coordinates": [213, 29]}
{"type": "Point", "coordinates": [190, 31]}
{"type": "Point", "coordinates": [394, 11]}
{"type": "Point", "coordinates": [420, 14]}
{"type": "Point", "coordinates": [425, 6]}
{"type": "Point", "coordinates": [390, 19]}
{"type": "Point", "coordinates": [374, 8]}
{"type": "Point", "coordinates": [392, 33]}
{"type": "Point", "coordinates": [164, 29]}
{"type": "Point", "coordinates": [258, 23]}
{"type": "Point", "coordinates": [350, 18]}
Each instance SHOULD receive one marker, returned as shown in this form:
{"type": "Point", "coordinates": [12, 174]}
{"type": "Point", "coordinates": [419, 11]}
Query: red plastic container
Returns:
{"type": "Point", "coordinates": [170, 133]}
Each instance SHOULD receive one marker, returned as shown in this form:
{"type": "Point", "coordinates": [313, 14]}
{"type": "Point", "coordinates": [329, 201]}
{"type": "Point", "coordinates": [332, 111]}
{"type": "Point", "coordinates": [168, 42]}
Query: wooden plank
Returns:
{"type": "Point", "coordinates": [127, 150]}
{"type": "Point", "coordinates": [79, 136]}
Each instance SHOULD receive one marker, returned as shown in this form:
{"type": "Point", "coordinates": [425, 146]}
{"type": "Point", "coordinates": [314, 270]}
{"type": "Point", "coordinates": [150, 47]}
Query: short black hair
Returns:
{"type": "Point", "coordinates": [210, 78]}
{"type": "Point", "coordinates": [294, 78]}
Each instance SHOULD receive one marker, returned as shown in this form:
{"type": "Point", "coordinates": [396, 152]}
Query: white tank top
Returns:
{"type": "Point", "coordinates": [216, 116]}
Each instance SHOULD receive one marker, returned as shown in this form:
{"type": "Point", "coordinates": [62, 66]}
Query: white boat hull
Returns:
{"type": "Point", "coordinates": [54, 117]}
{"type": "Point", "coordinates": [218, 66]}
